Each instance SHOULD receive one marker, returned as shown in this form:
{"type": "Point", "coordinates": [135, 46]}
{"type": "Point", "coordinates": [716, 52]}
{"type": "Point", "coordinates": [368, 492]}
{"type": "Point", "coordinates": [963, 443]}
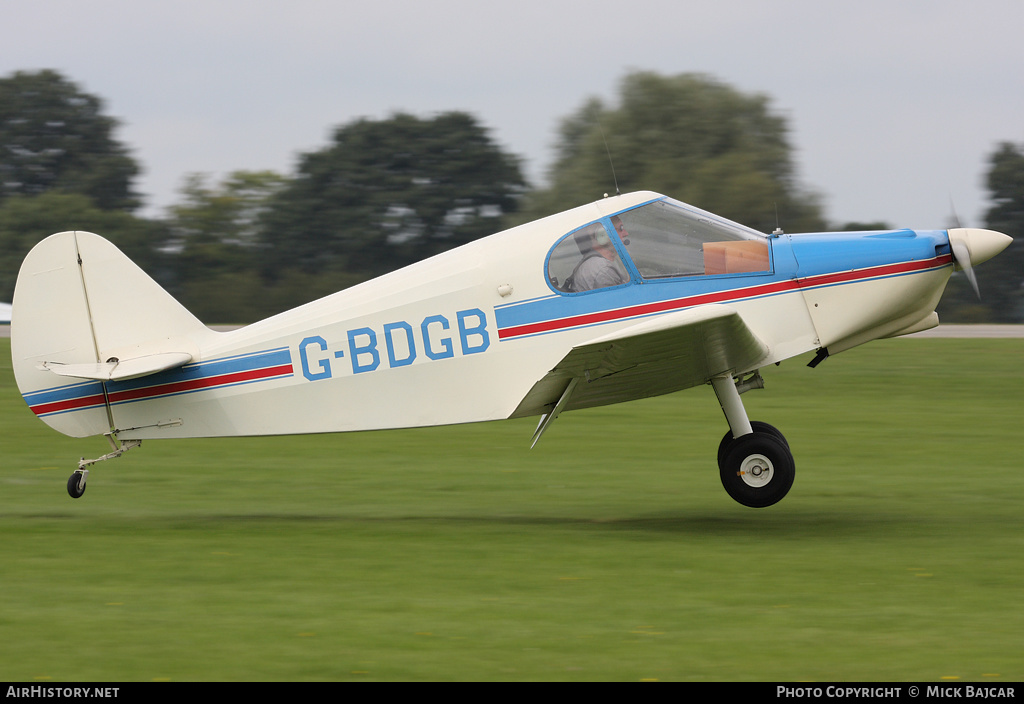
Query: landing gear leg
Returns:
{"type": "Point", "coordinates": [76, 482]}
{"type": "Point", "coordinates": [755, 464]}
{"type": "Point", "coordinates": [732, 406]}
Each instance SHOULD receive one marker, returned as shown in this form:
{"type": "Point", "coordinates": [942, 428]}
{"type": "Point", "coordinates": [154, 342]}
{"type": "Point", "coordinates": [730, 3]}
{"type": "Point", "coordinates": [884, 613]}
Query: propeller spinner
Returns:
{"type": "Point", "coordinates": [972, 246]}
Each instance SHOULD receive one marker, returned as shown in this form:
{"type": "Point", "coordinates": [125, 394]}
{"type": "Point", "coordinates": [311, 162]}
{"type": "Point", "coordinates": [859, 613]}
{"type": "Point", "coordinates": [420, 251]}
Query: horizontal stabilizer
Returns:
{"type": "Point", "coordinates": [119, 370]}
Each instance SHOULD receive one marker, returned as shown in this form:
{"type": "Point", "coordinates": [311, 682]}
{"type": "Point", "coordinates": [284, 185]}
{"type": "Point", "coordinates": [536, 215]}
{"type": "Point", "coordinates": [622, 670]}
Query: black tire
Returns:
{"type": "Point", "coordinates": [73, 486]}
{"type": "Point", "coordinates": [758, 470]}
{"type": "Point", "coordinates": [758, 427]}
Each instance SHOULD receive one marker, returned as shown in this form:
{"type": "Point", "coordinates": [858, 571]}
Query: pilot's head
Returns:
{"type": "Point", "coordinates": [591, 237]}
{"type": "Point", "coordinates": [620, 229]}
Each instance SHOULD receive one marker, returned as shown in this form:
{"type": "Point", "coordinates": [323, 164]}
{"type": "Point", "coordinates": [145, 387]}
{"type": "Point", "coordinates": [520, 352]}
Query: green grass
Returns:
{"type": "Point", "coordinates": [609, 552]}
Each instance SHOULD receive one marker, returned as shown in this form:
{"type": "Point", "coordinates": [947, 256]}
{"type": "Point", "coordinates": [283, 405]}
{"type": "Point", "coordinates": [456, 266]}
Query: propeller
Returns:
{"type": "Point", "coordinates": [961, 253]}
{"type": "Point", "coordinates": [962, 257]}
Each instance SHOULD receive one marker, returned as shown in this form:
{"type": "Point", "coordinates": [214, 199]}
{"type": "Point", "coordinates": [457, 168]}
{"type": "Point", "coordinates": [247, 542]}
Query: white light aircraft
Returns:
{"type": "Point", "coordinates": [631, 296]}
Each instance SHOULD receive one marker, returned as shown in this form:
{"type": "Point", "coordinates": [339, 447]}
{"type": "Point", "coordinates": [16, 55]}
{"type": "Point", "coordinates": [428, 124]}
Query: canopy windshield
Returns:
{"type": "Point", "coordinates": [667, 238]}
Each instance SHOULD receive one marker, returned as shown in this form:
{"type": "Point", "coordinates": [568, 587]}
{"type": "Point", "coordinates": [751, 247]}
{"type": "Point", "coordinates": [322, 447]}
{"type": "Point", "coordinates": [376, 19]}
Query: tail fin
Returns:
{"type": "Point", "coordinates": [83, 310]}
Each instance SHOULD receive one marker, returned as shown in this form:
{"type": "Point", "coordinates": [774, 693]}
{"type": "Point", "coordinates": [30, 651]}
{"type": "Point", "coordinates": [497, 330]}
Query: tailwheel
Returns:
{"type": "Point", "coordinates": [76, 484]}
{"type": "Point", "coordinates": [757, 469]}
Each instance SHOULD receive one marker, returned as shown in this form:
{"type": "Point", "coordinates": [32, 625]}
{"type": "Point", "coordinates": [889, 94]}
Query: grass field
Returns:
{"type": "Point", "coordinates": [609, 552]}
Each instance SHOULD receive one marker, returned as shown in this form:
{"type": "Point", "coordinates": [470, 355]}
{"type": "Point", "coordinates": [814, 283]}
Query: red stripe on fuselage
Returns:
{"type": "Point", "coordinates": [73, 404]}
{"type": "Point", "coordinates": [774, 288]}
{"type": "Point", "coordinates": [178, 387]}
{"type": "Point", "coordinates": [202, 383]}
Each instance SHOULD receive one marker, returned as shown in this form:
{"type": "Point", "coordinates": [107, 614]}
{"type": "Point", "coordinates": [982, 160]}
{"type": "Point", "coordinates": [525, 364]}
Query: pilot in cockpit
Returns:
{"type": "Point", "coordinates": [600, 266]}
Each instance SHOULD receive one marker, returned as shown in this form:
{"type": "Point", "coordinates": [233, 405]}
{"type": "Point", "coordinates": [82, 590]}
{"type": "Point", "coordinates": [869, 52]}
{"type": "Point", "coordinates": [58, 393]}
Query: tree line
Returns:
{"type": "Point", "coordinates": [384, 193]}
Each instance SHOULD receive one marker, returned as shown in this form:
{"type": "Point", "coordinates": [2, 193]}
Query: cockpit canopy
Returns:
{"type": "Point", "coordinates": [658, 240]}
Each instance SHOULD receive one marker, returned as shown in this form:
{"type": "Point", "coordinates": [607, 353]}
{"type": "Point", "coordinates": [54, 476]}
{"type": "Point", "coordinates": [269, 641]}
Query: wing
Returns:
{"type": "Point", "coordinates": [655, 356]}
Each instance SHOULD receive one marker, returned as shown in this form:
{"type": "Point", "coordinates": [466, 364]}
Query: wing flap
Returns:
{"type": "Point", "coordinates": [654, 356]}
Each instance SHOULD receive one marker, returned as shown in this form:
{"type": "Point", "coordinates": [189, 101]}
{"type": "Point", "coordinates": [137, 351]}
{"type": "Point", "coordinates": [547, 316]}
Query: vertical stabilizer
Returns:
{"type": "Point", "coordinates": [80, 301]}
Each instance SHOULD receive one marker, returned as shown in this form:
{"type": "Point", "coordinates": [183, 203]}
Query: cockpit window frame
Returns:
{"type": "Point", "coordinates": [733, 231]}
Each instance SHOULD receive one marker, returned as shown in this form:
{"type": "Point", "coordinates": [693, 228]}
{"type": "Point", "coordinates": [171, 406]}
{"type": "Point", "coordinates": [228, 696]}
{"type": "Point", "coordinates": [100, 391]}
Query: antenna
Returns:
{"type": "Point", "coordinates": [610, 162]}
{"type": "Point", "coordinates": [778, 227]}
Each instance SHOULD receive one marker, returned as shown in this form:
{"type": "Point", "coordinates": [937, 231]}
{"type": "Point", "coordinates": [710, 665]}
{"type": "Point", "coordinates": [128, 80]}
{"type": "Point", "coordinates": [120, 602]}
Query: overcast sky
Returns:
{"type": "Point", "coordinates": [893, 106]}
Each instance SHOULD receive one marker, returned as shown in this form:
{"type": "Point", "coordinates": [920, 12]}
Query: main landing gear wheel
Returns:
{"type": "Point", "coordinates": [76, 485]}
{"type": "Point", "coordinates": [758, 427]}
{"type": "Point", "coordinates": [757, 470]}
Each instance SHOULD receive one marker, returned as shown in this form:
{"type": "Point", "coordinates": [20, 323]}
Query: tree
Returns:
{"type": "Point", "coordinates": [24, 221]}
{"type": "Point", "coordinates": [689, 137]}
{"type": "Point", "coordinates": [228, 212]}
{"type": "Point", "coordinates": [54, 137]}
{"type": "Point", "coordinates": [862, 226]}
{"type": "Point", "coordinates": [1004, 275]}
{"type": "Point", "coordinates": [386, 193]}
{"type": "Point", "coordinates": [1000, 280]}
{"type": "Point", "coordinates": [214, 245]}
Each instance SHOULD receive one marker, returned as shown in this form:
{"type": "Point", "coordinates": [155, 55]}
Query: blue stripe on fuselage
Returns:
{"type": "Point", "coordinates": [804, 260]}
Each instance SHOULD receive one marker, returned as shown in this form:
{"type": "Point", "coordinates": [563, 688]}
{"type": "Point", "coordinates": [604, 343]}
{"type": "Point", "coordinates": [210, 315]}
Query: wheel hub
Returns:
{"type": "Point", "coordinates": [756, 470]}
